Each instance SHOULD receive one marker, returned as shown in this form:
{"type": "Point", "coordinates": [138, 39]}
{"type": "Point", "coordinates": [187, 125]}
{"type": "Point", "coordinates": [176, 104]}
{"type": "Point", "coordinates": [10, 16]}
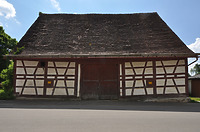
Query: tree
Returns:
{"type": "Point", "coordinates": [7, 84]}
{"type": "Point", "coordinates": [7, 44]}
{"type": "Point", "coordinates": [196, 69]}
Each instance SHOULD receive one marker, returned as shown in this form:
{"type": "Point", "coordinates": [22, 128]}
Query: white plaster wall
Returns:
{"type": "Point", "coordinates": [40, 71]}
{"type": "Point", "coordinates": [129, 72]}
{"type": "Point", "coordinates": [127, 64]}
{"type": "Point", "coordinates": [20, 82]}
{"type": "Point", "coordinates": [161, 82]}
{"type": "Point", "coordinates": [149, 71]}
{"type": "Point", "coordinates": [181, 89]}
{"type": "Point", "coordinates": [30, 70]}
{"type": "Point", "coordinates": [180, 69]}
{"type": "Point", "coordinates": [31, 63]}
{"type": "Point", "coordinates": [61, 64]}
{"type": "Point", "coordinates": [18, 90]}
{"type": "Point", "coordinates": [39, 83]}
{"type": "Point", "coordinates": [70, 72]}
{"type": "Point", "coordinates": [79, 78]}
{"type": "Point", "coordinates": [71, 91]}
{"type": "Point", "coordinates": [40, 91]}
{"type": "Point", "coordinates": [120, 67]}
{"type": "Point", "coordinates": [139, 91]}
{"type": "Point", "coordinates": [20, 71]}
{"type": "Point", "coordinates": [170, 90]}
{"type": "Point", "coordinates": [169, 69]}
{"type": "Point", "coordinates": [29, 83]}
{"type": "Point", "coordinates": [120, 92]}
{"type": "Point", "coordinates": [61, 71]}
{"type": "Point", "coordinates": [180, 81]}
{"type": "Point", "coordinates": [160, 71]}
{"type": "Point", "coordinates": [139, 71]}
{"type": "Point", "coordinates": [70, 83]}
{"type": "Point", "coordinates": [62, 91]}
{"type": "Point", "coordinates": [149, 90]}
{"type": "Point", "coordinates": [128, 92]}
{"type": "Point", "coordinates": [159, 90]}
{"type": "Point", "coordinates": [169, 62]}
{"type": "Point", "coordinates": [128, 83]}
{"type": "Point", "coordinates": [19, 63]}
{"type": "Point", "coordinates": [29, 91]}
{"type": "Point", "coordinates": [138, 64]}
{"type": "Point", "coordinates": [138, 83]}
{"type": "Point", "coordinates": [61, 68]}
{"type": "Point", "coordinates": [49, 91]}
{"type": "Point", "coordinates": [60, 83]}
{"type": "Point", "coordinates": [51, 71]}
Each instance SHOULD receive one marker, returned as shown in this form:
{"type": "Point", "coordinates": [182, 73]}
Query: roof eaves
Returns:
{"type": "Point", "coordinates": [101, 55]}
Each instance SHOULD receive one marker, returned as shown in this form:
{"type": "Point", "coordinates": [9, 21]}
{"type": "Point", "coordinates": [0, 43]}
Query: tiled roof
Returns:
{"type": "Point", "coordinates": [102, 34]}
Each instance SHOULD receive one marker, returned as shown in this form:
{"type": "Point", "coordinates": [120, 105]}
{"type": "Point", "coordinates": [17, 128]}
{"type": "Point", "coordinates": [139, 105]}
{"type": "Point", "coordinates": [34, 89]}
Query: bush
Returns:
{"type": "Point", "coordinates": [7, 84]}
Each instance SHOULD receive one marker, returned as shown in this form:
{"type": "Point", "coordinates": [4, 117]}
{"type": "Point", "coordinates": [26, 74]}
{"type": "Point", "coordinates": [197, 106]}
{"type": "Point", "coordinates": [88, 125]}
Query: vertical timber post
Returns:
{"type": "Point", "coordinates": [186, 77]}
{"type": "Point", "coordinates": [123, 80]}
{"type": "Point", "coordinates": [76, 79]}
{"type": "Point", "coordinates": [154, 78]}
{"type": "Point", "coordinates": [14, 76]}
{"type": "Point", "coordinates": [45, 78]}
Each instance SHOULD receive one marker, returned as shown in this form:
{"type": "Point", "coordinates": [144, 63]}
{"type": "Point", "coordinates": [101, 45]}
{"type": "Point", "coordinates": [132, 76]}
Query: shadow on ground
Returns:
{"type": "Point", "coordinates": [100, 105]}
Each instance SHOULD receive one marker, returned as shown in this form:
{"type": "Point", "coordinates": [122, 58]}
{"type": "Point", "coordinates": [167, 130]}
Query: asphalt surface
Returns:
{"type": "Point", "coordinates": [97, 116]}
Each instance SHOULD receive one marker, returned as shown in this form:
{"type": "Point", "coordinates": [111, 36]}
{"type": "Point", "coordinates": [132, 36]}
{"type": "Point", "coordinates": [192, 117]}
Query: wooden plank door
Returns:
{"type": "Point", "coordinates": [90, 81]}
{"type": "Point", "coordinates": [99, 81]}
{"type": "Point", "coordinates": [108, 81]}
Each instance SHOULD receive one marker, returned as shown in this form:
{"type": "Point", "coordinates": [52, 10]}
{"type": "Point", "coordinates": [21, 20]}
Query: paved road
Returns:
{"type": "Point", "coordinates": [98, 116]}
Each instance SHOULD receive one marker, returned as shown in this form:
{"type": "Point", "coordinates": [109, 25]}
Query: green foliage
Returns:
{"type": "Point", "coordinates": [196, 69]}
{"type": "Point", "coordinates": [40, 13]}
{"type": "Point", "coordinates": [1, 91]}
{"type": "Point", "coordinates": [7, 44]}
{"type": "Point", "coordinates": [7, 85]}
{"type": "Point", "coordinates": [18, 50]}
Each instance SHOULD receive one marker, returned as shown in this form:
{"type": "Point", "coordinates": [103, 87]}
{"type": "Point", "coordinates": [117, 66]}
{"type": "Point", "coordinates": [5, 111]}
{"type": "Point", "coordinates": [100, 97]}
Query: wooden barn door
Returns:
{"type": "Point", "coordinates": [99, 81]}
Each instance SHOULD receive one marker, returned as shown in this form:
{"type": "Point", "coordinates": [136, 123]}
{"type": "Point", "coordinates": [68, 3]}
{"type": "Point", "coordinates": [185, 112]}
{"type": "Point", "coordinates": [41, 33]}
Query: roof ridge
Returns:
{"type": "Point", "coordinates": [41, 13]}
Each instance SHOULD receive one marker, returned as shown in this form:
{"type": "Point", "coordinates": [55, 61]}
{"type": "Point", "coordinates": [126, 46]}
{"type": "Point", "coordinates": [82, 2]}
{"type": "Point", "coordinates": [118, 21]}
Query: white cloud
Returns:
{"type": "Point", "coordinates": [7, 9]}
{"type": "Point", "coordinates": [17, 21]}
{"type": "Point", "coordinates": [192, 65]}
{"type": "Point", "coordinates": [55, 4]}
{"type": "Point", "coordinates": [195, 46]}
{"type": "Point", "coordinates": [1, 24]}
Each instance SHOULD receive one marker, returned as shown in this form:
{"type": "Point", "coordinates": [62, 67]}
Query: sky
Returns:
{"type": "Point", "coordinates": [182, 16]}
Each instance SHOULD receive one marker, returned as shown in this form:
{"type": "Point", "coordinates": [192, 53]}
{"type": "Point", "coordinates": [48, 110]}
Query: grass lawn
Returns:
{"type": "Point", "coordinates": [195, 99]}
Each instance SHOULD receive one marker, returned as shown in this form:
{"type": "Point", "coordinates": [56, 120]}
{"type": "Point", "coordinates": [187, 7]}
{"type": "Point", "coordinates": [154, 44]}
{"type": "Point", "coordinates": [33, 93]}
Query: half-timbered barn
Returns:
{"type": "Point", "coordinates": [101, 56]}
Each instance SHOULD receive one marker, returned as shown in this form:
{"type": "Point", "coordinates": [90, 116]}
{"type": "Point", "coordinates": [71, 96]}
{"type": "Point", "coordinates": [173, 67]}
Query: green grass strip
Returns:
{"type": "Point", "coordinates": [195, 99]}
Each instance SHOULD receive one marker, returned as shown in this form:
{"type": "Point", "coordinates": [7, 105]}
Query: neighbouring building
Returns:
{"type": "Point", "coordinates": [101, 56]}
{"type": "Point", "coordinates": [194, 85]}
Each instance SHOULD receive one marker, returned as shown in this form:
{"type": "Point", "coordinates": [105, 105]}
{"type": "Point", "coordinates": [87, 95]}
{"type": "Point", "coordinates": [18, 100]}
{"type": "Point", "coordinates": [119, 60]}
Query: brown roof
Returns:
{"type": "Point", "coordinates": [140, 34]}
{"type": "Point", "coordinates": [195, 77]}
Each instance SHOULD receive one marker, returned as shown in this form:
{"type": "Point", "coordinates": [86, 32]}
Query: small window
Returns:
{"type": "Point", "coordinates": [42, 64]}
{"type": "Point", "coordinates": [50, 83]}
{"type": "Point", "coordinates": [149, 83]}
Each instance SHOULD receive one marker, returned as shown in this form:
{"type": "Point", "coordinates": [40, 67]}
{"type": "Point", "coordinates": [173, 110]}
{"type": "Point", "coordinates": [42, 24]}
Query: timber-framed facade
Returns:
{"type": "Point", "coordinates": [103, 78]}
{"type": "Point", "coordinates": [101, 56]}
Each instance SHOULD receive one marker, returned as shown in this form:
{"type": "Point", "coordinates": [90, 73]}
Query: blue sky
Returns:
{"type": "Point", "coordinates": [182, 16]}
